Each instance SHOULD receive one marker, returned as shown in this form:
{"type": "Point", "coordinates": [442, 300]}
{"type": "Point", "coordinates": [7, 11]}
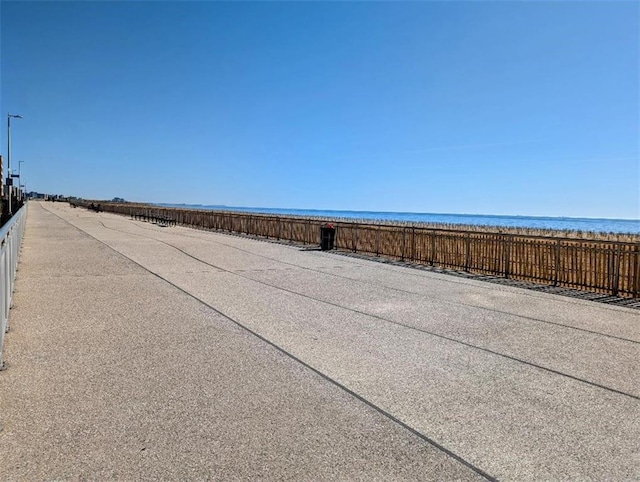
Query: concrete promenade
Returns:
{"type": "Point", "coordinates": [142, 352]}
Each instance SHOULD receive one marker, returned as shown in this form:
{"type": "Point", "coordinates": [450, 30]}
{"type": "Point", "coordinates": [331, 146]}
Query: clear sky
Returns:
{"type": "Point", "coordinates": [524, 108]}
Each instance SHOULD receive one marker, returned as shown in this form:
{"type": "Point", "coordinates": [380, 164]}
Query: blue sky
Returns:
{"type": "Point", "coordinates": [524, 108]}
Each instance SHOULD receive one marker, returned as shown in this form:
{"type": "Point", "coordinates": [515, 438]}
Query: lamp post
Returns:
{"type": "Point", "coordinates": [20, 178]}
{"type": "Point", "coordinates": [9, 178]}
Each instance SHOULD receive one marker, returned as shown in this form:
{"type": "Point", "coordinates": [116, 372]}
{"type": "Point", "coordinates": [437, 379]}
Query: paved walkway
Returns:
{"type": "Point", "coordinates": [142, 352]}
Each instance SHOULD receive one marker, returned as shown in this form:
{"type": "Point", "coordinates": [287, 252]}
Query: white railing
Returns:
{"type": "Point", "coordinates": [10, 241]}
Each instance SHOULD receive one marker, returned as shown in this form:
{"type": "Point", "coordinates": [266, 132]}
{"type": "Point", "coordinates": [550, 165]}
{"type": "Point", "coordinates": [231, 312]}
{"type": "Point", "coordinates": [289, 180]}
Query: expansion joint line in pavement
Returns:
{"type": "Point", "coordinates": [397, 323]}
{"type": "Point", "coordinates": [400, 290]}
{"type": "Point", "coordinates": [290, 355]}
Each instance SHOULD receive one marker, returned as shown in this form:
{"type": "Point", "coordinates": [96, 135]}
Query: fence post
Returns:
{"type": "Point", "coordinates": [290, 231]}
{"type": "Point", "coordinates": [413, 243]}
{"type": "Point", "coordinates": [507, 257]}
{"type": "Point", "coordinates": [467, 251]}
{"type": "Point", "coordinates": [636, 276]}
{"type": "Point", "coordinates": [433, 247]}
{"type": "Point", "coordinates": [404, 242]}
{"type": "Point", "coordinates": [378, 241]}
{"type": "Point", "coordinates": [616, 272]}
{"type": "Point", "coordinates": [556, 263]}
{"type": "Point", "coordinates": [355, 238]}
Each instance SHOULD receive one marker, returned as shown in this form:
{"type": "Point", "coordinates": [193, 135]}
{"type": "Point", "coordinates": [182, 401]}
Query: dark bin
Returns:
{"type": "Point", "coordinates": [327, 236]}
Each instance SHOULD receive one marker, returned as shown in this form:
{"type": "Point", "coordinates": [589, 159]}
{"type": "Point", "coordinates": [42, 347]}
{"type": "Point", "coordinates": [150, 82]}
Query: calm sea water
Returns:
{"type": "Point", "coordinates": [577, 224]}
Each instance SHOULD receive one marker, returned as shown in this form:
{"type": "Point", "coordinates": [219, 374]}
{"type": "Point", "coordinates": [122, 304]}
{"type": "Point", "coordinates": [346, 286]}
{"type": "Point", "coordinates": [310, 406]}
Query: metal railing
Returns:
{"type": "Point", "coordinates": [10, 240]}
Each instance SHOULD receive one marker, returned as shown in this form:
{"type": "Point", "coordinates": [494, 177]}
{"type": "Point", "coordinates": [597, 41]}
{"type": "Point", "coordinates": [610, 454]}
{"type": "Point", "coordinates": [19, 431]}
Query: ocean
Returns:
{"type": "Point", "coordinates": [561, 223]}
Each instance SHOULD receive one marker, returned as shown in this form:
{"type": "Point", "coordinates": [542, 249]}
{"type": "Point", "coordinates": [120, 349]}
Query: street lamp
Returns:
{"type": "Point", "coordinates": [9, 179]}
{"type": "Point", "coordinates": [20, 179]}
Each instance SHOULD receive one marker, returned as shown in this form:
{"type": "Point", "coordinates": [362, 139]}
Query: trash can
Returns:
{"type": "Point", "coordinates": [327, 236]}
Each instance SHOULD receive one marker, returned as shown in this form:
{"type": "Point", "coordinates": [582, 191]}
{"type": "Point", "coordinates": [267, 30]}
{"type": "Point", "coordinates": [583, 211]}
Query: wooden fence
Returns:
{"type": "Point", "coordinates": [600, 266]}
